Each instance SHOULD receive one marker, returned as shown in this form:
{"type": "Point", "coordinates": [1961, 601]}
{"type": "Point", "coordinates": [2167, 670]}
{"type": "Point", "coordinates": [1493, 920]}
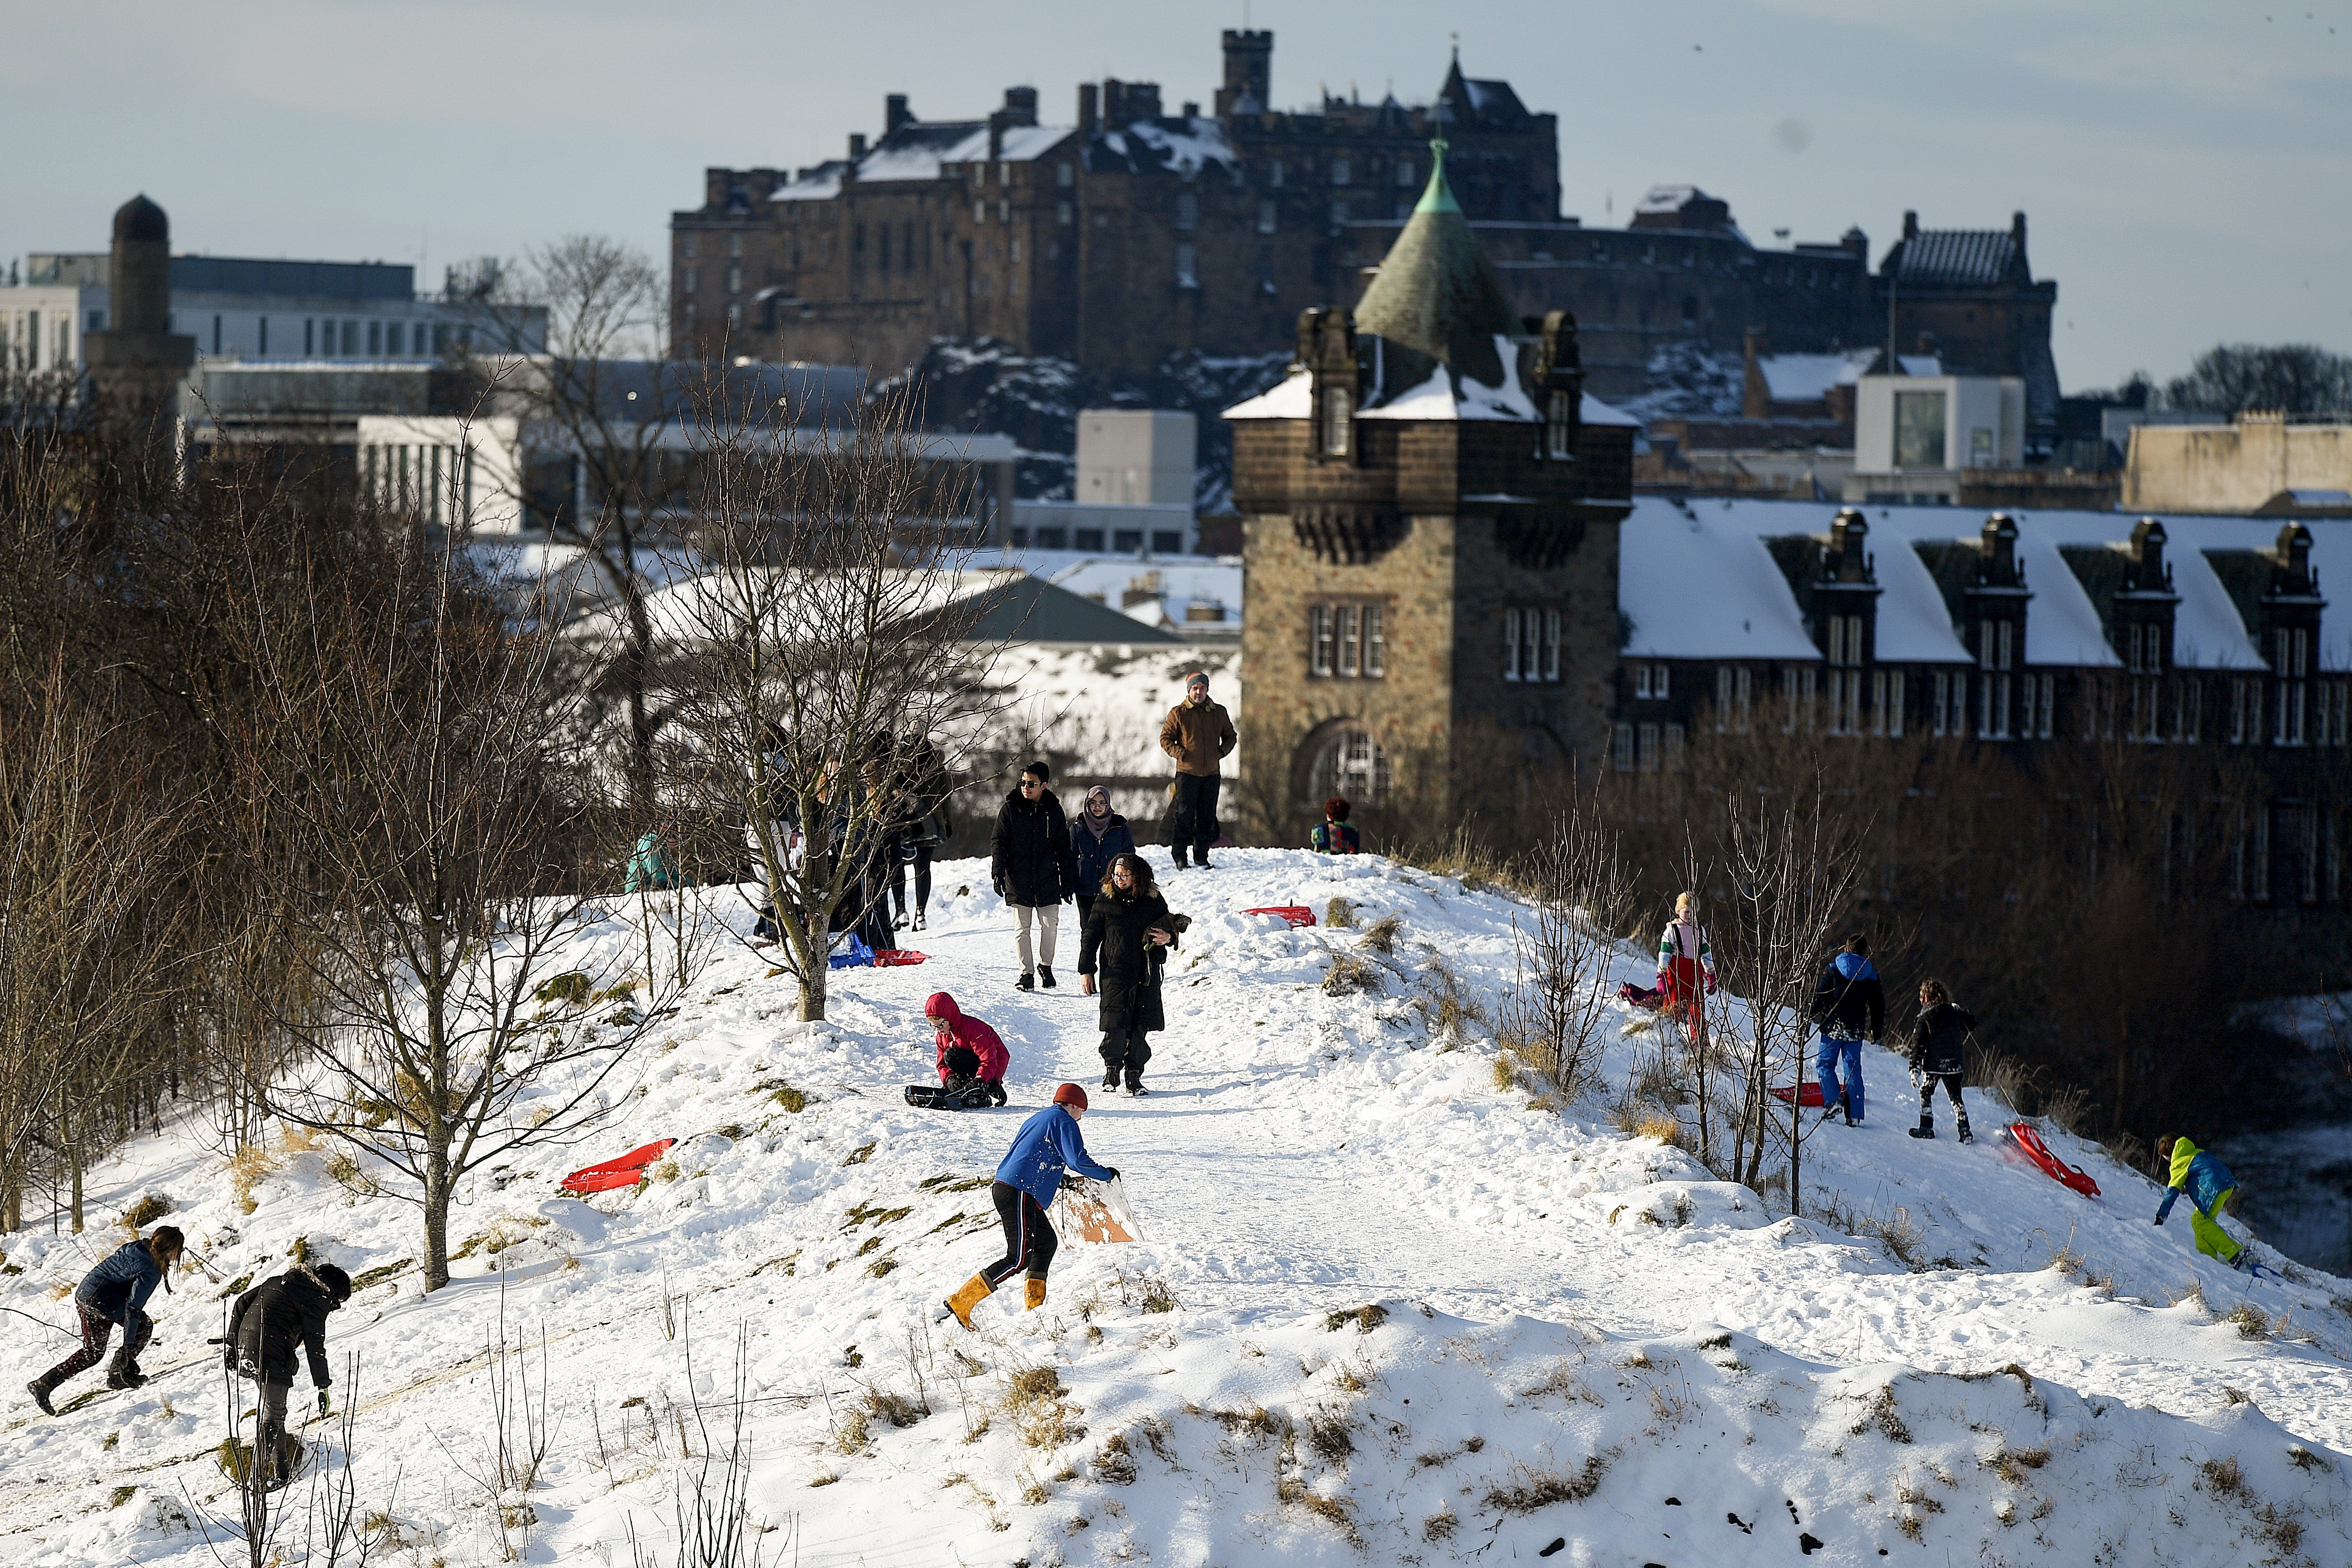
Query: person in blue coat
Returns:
{"type": "Point", "coordinates": [1850, 1004]}
{"type": "Point", "coordinates": [1047, 1148]}
{"type": "Point", "coordinates": [114, 1292]}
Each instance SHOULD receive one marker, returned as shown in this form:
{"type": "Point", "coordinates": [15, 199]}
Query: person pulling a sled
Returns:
{"type": "Point", "coordinates": [114, 1292]}
{"type": "Point", "coordinates": [971, 1054]}
{"type": "Point", "coordinates": [267, 1325]}
{"type": "Point", "coordinates": [1850, 1007]}
{"type": "Point", "coordinates": [1045, 1150]}
{"type": "Point", "coordinates": [1127, 937]}
{"type": "Point", "coordinates": [2210, 1188]}
{"type": "Point", "coordinates": [1939, 1053]}
{"type": "Point", "coordinates": [1687, 967]}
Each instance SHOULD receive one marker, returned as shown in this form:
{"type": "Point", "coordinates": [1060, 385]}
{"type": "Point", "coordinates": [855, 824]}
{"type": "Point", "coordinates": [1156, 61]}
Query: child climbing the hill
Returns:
{"type": "Point", "coordinates": [2210, 1188]}
{"type": "Point", "coordinates": [1939, 1051]}
{"type": "Point", "coordinates": [970, 1051]}
{"type": "Point", "coordinates": [1850, 1007]}
{"type": "Point", "coordinates": [116, 1291]}
{"type": "Point", "coordinates": [1128, 938]}
{"type": "Point", "coordinates": [1686, 967]}
{"type": "Point", "coordinates": [1046, 1149]}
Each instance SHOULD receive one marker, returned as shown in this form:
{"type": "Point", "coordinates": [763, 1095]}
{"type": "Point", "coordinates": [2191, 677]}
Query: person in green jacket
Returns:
{"type": "Point", "coordinates": [2210, 1187]}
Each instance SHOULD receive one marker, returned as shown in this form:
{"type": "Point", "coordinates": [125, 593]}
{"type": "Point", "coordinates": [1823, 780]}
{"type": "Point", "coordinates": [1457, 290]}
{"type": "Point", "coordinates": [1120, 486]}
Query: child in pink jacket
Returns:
{"type": "Point", "coordinates": [969, 1049]}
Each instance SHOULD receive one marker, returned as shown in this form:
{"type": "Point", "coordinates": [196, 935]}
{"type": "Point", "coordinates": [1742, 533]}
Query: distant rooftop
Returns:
{"type": "Point", "coordinates": [238, 275]}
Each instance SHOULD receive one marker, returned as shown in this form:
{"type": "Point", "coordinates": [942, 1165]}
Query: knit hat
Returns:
{"type": "Point", "coordinates": [1197, 678]}
{"type": "Point", "coordinates": [1070, 1094]}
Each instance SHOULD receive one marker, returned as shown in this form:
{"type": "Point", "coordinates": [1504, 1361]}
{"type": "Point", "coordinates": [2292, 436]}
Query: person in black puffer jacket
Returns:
{"type": "Point", "coordinates": [1127, 937]}
{"type": "Point", "coordinates": [268, 1323]}
{"type": "Point", "coordinates": [1031, 864]}
{"type": "Point", "coordinates": [1939, 1053]}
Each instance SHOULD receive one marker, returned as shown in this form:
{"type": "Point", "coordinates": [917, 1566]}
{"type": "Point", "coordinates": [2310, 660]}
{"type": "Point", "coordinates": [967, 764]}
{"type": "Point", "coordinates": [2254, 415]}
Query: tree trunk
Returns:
{"type": "Point", "coordinates": [436, 1209]}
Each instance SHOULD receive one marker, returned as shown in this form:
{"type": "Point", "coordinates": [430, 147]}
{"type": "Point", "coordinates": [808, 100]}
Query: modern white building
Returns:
{"type": "Point", "coordinates": [247, 309]}
{"type": "Point", "coordinates": [1135, 486]}
{"type": "Point", "coordinates": [1915, 435]}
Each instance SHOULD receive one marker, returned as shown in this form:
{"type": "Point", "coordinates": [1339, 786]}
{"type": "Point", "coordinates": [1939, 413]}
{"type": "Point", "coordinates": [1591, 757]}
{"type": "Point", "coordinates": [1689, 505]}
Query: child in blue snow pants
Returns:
{"type": "Point", "coordinates": [1849, 1083]}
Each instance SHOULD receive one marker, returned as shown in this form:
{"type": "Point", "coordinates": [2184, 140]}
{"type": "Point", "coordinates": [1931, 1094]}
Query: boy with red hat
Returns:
{"type": "Point", "coordinates": [1047, 1149]}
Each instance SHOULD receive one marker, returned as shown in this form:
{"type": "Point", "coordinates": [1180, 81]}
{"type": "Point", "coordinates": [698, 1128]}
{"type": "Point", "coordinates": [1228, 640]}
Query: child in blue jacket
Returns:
{"type": "Point", "coordinates": [114, 1292]}
{"type": "Point", "coordinates": [2210, 1185]}
{"type": "Point", "coordinates": [1046, 1147]}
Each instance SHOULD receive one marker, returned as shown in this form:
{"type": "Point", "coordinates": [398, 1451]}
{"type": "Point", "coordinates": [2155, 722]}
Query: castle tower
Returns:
{"type": "Point", "coordinates": [137, 364]}
{"type": "Point", "coordinates": [1429, 514]}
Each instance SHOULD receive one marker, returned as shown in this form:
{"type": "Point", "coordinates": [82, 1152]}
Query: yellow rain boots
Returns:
{"type": "Point", "coordinates": [1036, 1295]}
{"type": "Point", "coordinates": [975, 1290]}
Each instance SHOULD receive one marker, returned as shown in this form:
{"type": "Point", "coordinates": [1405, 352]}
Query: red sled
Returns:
{"type": "Point", "coordinates": [626, 1171]}
{"type": "Point", "coordinates": [894, 958]}
{"type": "Point", "coordinates": [1809, 1094]}
{"type": "Point", "coordinates": [1641, 996]}
{"type": "Point", "coordinates": [2023, 1135]}
{"type": "Point", "coordinates": [1297, 914]}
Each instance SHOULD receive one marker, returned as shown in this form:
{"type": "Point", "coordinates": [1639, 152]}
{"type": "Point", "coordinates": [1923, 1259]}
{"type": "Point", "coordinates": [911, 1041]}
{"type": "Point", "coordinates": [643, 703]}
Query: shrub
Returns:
{"type": "Point", "coordinates": [573, 988]}
{"type": "Point", "coordinates": [1366, 1319]}
{"type": "Point", "coordinates": [246, 1169]}
{"type": "Point", "coordinates": [1530, 1488]}
{"type": "Point", "coordinates": [145, 1212]}
{"type": "Point", "coordinates": [1349, 975]}
{"type": "Point", "coordinates": [1034, 1399]}
{"type": "Point", "coordinates": [1381, 935]}
{"type": "Point", "coordinates": [1338, 915]}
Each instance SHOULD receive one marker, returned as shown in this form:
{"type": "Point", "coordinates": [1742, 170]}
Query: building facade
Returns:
{"type": "Point", "coordinates": [1430, 508]}
{"type": "Point", "coordinates": [1129, 233]}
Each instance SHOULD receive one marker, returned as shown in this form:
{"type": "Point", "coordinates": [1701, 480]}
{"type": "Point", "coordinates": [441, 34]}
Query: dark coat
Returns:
{"type": "Point", "coordinates": [1125, 967]}
{"type": "Point", "coordinates": [274, 1317]}
{"type": "Point", "coordinates": [118, 1287]}
{"type": "Point", "coordinates": [1030, 859]}
{"type": "Point", "coordinates": [1094, 857]}
{"type": "Point", "coordinates": [1939, 1040]}
{"type": "Point", "coordinates": [1848, 1001]}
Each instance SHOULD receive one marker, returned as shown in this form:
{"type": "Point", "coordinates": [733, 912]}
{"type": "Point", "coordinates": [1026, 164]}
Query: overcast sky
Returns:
{"type": "Point", "coordinates": [2186, 165]}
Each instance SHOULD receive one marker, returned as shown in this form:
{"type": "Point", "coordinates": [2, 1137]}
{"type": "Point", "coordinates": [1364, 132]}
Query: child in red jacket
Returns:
{"type": "Point", "coordinates": [969, 1049]}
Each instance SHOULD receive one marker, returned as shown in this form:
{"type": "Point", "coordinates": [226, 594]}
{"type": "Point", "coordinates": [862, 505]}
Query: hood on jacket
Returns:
{"type": "Point", "coordinates": [1855, 966]}
{"type": "Point", "coordinates": [942, 1006]}
{"type": "Point", "coordinates": [2184, 1155]}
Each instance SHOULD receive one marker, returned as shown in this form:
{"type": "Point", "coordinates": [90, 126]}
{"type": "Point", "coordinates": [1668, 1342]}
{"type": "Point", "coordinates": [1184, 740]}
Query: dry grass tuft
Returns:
{"type": "Point", "coordinates": [1114, 1464]}
{"type": "Point", "coordinates": [1351, 976]}
{"type": "Point", "coordinates": [1328, 1433]}
{"type": "Point", "coordinates": [1441, 1525]}
{"type": "Point", "coordinates": [2223, 1477]}
{"type": "Point", "coordinates": [1366, 1319]}
{"type": "Point", "coordinates": [145, 1212]}
{"type": "Point", "coordinates": [1339, 915]}
{"type": "Point", "coordinates": [1640, 1121]}
{"type": "Point", "coordinates": [247, 1168]}
{"type": "Point", "coordinates": [1035, 1400]}
{"type": "Point", "coordinates": [2251, 1321]}
{"type": "Point", "coordinates": [1532, 1488]}
{"type": "Point", "coordinates": [1381, 935]}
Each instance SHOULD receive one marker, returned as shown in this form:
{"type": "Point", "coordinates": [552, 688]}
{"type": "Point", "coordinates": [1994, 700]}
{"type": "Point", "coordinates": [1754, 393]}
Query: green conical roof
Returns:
{"type": "Point", "coordinates": [1436, 292]}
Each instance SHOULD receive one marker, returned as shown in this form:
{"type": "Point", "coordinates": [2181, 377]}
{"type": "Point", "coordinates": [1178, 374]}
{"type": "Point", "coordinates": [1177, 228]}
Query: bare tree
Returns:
{"type": "Point", "coordinates": [1794, 862]}
{"type": "Point", "coordinates": [1559, 1001]}
{"type": "Point", "coordinates": [86, 938]}
{"type": "Point", "coordinates": [407, 739]}
{"type": "Point", "coordinates": [834, 630]}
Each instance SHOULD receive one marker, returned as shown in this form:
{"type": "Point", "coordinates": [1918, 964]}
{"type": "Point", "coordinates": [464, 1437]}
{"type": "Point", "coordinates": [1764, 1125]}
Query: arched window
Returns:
{"type": "Point", "coordinates": [1353, 765]}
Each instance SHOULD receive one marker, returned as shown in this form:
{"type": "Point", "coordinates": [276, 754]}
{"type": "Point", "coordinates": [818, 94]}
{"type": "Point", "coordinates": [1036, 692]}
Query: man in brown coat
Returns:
{"type": "Point", "coordinates": [1198, 735]}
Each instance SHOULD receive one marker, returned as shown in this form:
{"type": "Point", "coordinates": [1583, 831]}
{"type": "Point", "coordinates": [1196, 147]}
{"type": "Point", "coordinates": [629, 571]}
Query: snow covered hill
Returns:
{"type": "Point", "coordinates": [1384, 1308]}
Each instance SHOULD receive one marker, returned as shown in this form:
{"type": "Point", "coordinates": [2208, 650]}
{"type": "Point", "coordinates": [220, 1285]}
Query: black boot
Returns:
{"type": "Point", "coordinates": [1927, 1129]}
{"type": "Point", "coordinates": [1965, 1136]}
{"type": "Point", "coordinates": [40, 1389]}
{"type": "Point", "coordinates": [1046, 976]}
{"type": "Point", "coordinates": [1135, 1082]}
{"type": "Point", "coordinates": [1177, 852]}
{"type": "Point", "coordinates": [1028, 982]}
{"type": "Point", "coordinates": [1110, 1077]}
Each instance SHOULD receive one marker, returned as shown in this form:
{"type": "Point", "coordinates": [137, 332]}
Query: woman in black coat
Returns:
{"type": "Point", "coordinates": [1128, 935]}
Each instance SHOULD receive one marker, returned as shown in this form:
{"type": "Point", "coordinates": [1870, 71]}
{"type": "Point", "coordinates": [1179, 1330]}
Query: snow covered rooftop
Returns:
{"type": "Point", "coordinates": [917, 152]}
{"type": "Point", "coordinates": [1808, 377]}
{"type": "Point", "coordinates": [1184, 148]}
{"type": "Point", "coordinates": [1698, 582]}
{"type": "Point", "coordinates": [1433, 399]}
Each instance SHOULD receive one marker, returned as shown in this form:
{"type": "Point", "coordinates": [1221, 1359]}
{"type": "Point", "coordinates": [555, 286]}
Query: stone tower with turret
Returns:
{"type": "Point", "coordinates": [138, 363]}
{"type": "Point", "coordinates": [1430, 508]}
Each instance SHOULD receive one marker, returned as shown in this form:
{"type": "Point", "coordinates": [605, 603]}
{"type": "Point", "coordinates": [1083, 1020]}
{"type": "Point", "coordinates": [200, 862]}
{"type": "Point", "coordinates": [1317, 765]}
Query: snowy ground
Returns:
{"type": "Point", "coordinates": [1575, 1336]}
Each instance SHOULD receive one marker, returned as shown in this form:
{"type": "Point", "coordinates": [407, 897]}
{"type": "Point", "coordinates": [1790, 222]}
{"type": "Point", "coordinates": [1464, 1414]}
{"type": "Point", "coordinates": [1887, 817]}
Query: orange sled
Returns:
{"type": "Point", "coordinates": [622, 1172]}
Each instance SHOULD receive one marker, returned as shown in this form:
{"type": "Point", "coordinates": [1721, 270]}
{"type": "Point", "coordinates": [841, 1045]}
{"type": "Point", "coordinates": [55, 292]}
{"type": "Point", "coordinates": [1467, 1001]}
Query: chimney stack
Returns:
{"type": "Point", "coordinates": [894, 114]}
{"type": "Point", "coordinates": [1021, 105]}
{"type": "Point", "coordinates": [1086, 108]}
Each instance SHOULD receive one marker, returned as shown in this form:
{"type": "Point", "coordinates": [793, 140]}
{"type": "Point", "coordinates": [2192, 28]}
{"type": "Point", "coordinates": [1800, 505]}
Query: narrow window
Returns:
{"type": "Point", "coordinates": [308, 322]}
{"type": "Point", "coordinates": [1551, 651]}
{"type": "Point", "coordinates": [261, 338]}
{"type": "Point", "coordinates": [1349, 650]}
{"type": "Point", "coordinates": [1559, 427]}
{"type": "Point", "coordinates": [1741, 700]}
{"type": "Point", "coordinates": [1338, 415]}
{"type": "Point", "coordinates": [1674, 733]}
{"type": "Point", "coordinates": [1320, 661]}
{"type": "Point", "coordinates": [1649, 754]}
{"type": "Point", "coordinates": [216, 334]}
{"type": "Point", "coordinates": [1339, 170]}
{"type": "Point", "coordinates": [1623, 749]}
{"type": "Point", "coordinates": [1722, 699]}
{"type": "Point", "coordinates": [1657, 675]}
{"type": "Point", "coordinates": [1375, 641]}
{"type": "Point", "coordinates": [1188, 210]}
{"type": "Point", "coordinates": [1265, 217]}
{"type": "Point", "coordinates": [1641, 679]}
{"type": "Point", "coordinates": [1511, 645]}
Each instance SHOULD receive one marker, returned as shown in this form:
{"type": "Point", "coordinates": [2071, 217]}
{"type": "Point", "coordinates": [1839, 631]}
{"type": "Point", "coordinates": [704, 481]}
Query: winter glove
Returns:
{"type": "Point", "coordinates": [1071, 1183]}
{"type": "Point", "coordinates": [322, 1401]}
{"type": "Point", "coordinates": [1916, 1078]}
{"type": "Point", "coordinates": [999, 886]}
{"type": "Point", "coordinates": [1114, 1172]}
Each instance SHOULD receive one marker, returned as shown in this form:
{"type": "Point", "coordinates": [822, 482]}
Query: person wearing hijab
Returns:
{"type": "Point", "coordinates": [1100, 835]}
